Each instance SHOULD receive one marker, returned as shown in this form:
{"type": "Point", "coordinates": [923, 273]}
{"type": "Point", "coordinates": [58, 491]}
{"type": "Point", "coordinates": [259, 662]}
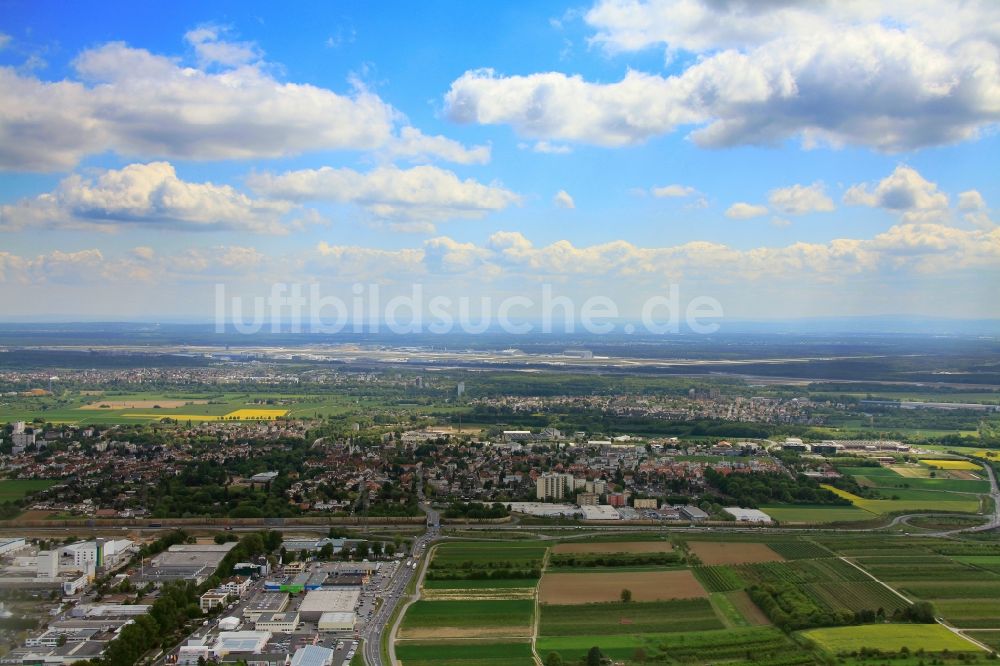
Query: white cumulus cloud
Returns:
{"type": "Point", "coordinates": [137, 103]}
{"type": "Point", "coordinates": [971, 200]}
{"type": "Point", "coordinates": [801, 199]}
{"type": "Point", "coordinates": [419, 194]}
{"type": "Point", "coordinates": [673, 191]}
{"type": "Point", "coordinates": [892, 76]}
{"type": "Point", "coordinates": [905, 192]}
{"type": "Point", "coordinates": [744, 211]}
{"type": "Point", "coordinates": [416, 146]}
{"type": "Point", "coordinates": [562, 199]}
{"type": "Point", "coordinates": [144, 195]}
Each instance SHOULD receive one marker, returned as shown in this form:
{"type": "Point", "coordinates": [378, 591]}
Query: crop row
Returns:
{"type": "Point", "coordinates": [800, 572]}
{"type": "Point", "coordinates": [857, 596]}
{"type": "Point", "coordinates": [628, 618]}
{"type": "Point", "coordinates": [759, 645]}
{"type": "Point", "coordinates": [798, 550]}
{"type": "Point", "coordinates": [951, 571]}
{"type": "Point", "coordinates": [719, 578]}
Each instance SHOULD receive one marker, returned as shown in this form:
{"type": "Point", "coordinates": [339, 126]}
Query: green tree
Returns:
{"type": "Point", "coordinates": [595, 657]}
{"type": "Point", "coordinates": [553, 659]}
{"type": "Point", "coordinates": [626, 595]}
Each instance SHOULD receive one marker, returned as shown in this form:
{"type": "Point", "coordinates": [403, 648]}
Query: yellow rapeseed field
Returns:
{"type": "Point", "coordinates": [254, 414]}
{"type": "Point", "coordinates": [951, 464]}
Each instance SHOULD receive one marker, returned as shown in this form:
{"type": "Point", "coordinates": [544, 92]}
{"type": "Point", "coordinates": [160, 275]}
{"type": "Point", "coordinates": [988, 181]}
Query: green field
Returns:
{"type": "Point", "coordinates": [468, 653]}
{"type": "Point", "coordinates": [815, 513]}
{"type": "Point", "coordinates": [889, 638]}
{"type": "Point", "coordinates": [947, 502]}
{"type": "Point", "coordinates": [504, 613]}
{"type": "Point", "coordinates": [768, 645]}
{"type": "Point", "coordinates": [486, 561]}
{"type": "Point", "coordinates": [630, 618]}
{"type": "Point", "coordinates": [487, 551]}
{"type": "Point", "coordinates": [970, 613]}
{"type": "Point", "coordinates": [66, 408]}
{"type": "Point", "coordinates": [987, 562]}
{"type": "Point", "coordinates": [991, 638]}
{"type": "Point", "coordinates": [511, 583]}
{"type": "Point", "coordinates": [15, 489]}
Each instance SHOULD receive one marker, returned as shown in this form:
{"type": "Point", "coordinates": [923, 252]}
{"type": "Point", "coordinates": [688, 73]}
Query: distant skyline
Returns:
{"type": "Point", "coordinates": [813, 159]}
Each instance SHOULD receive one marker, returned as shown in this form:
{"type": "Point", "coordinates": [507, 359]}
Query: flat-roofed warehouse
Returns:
{"type": "Point", "coordinates": [265, 602]}
{"type": "Point", "coordinates": [336, 622]}
{"type": "Point", "coordinates": [317, 602]}
{"type": "Point", "coordinates": [192, 555]}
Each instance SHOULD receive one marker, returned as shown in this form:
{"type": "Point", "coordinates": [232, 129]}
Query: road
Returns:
{"type": "Point", "coordinates": [375, 628]}
{"type": "Point", "coordinates": [994, 493]}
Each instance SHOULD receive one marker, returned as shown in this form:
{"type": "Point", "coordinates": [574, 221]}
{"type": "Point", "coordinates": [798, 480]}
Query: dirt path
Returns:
{"type": "Point", "coordinates": [939, 620]}
{"type": "Point", "coordinates": [537, 615]}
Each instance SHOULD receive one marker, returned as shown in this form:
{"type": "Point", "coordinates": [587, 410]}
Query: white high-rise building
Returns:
{"type": "Point", "coordinates": [553, 486]}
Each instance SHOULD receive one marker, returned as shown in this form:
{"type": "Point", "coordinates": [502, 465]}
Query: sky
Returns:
{"type": "Point", "coordinates": [784, 159]}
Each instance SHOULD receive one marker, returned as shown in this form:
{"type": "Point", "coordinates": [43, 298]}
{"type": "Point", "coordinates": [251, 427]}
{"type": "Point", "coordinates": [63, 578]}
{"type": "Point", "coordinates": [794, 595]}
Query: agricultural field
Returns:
{"type": "Point", "coordinates": [15, 489]}
{"type": "Point", "coordinates": [953, 502]}
{"type": "Point", "coordinates": [732, 646]}
{"type": "Point", "coordinates": [468, 653]}
{"type": "Point", "coordinates": [487, 561]}
{"type": "Point", "coordinates": [799, 550]}
{"type": "Point", "coordinates": [627, 618]}
{"type": "Point", "coordinates": [989, 563]}
{"type": "Point", "coordinates": [490, 583]}
{"type": "Point", "coordinates": [576, 562]}
{"type": "Point", "coordinates": [588, 588]}
{"type": "Point", "coordinates": [710, 613]}
{"type": "Point", "coordinates": [857, 596]}
{"type": "Point", "coordinates": [815, 513]}
{"type": "Point", "coordinates": [613, 547]}
{"type": "Point", "coordinates": [478, 593]}
{"type": "Point", "coordinates": [889, 638]}
{"type": "Point", "coordinates": [990, 638]}
{"type": "Point", "coordinates": [83, 408]}
{"type": "Point", "coordinates": [970, 613]}
{"type": "Point", "coordinates": [467, 619]}
{"type": "Point", "coordinates": [723, 552]}
{"type": "Point", "coordinates": [719, 578]}
{"type": "Point", "coordinates": [949, 464]}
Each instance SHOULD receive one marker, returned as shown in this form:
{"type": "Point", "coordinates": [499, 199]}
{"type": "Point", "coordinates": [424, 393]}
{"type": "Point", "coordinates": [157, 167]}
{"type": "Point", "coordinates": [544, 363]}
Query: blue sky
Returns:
{"type": "Point", "coordinates": [786, 159]}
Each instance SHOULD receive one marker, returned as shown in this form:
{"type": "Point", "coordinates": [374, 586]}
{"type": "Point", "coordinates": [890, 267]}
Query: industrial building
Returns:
{"type": "Point", "coordinates": [195, 562]}
{"type": "Point", "coordinates": [544, 509]}
{"type": "Point", "coordinates": [312, 655]}
{"type": "Point", "coordinates": [600, 512]}
{"type": "Point", "coordinates": [252, 642]}
{"type": "Point", "coordinates": [278, 623]}
{"type": "Point", "coordinates": [103, 553]}
{"type": "Point", "coordinates": [747, 515]}
{"type": "Point", "coordinates": [336, 622]}
{"type": "Point", "coordinates": [266, 602]}
{"type": "Point", "coordinates": [693, 513]}
{"type": "Point", "coordinates": [9, 545]}
{"type": "Point", "coordinates": [318, 602]}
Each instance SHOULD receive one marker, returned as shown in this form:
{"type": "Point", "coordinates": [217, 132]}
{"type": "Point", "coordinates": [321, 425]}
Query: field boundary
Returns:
{"type": "Point", "coordinates": [538, 612]}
